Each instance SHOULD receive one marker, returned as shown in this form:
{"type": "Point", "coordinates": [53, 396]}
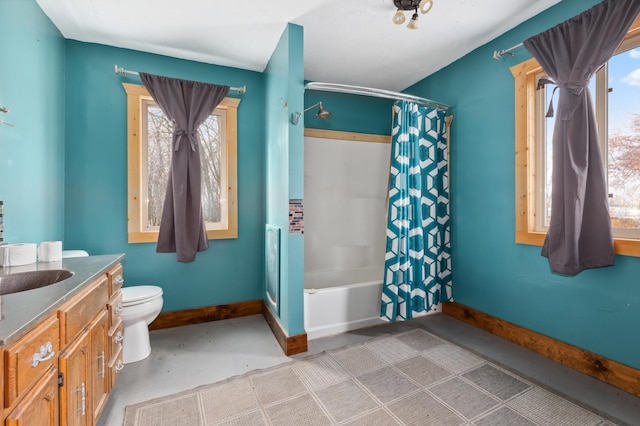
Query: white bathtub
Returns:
{"type": "Point", "coordinates": [337, 301]}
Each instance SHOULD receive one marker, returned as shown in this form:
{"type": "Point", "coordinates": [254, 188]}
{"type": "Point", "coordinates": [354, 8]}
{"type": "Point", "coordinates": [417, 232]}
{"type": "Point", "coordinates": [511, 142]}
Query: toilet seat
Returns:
{"type": "Point", "coordinates": [139, 294]}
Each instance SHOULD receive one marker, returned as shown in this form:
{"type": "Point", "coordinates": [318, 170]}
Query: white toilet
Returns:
{"type": "Point", "coordinates": [141, 305]}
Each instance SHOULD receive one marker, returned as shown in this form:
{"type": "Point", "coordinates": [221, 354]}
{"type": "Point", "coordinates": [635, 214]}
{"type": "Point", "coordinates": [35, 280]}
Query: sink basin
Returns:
{"type": "Point", "coordinates": [22, 281]}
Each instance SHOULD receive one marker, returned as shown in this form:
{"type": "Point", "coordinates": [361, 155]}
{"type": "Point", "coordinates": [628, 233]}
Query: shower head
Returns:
{"type": "Point", "coordinates": [322, 113]}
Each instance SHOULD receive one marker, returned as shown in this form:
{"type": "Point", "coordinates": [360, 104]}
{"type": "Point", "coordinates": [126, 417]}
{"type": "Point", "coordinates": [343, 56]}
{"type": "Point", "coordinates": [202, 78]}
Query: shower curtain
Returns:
{"type": "Point", "coordinates": [417, 275]}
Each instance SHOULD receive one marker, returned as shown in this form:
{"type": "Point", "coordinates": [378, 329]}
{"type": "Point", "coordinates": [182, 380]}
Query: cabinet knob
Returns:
{"type": "Point", "coordinates": [119, 280]}
{"type": "Point", "coordinates": [45, 354]}
{"type": "Point", "coordinates": [119, 366]}
{"type": "Point", "coordinates": [119, 308]}
{"type": "Point", "coordinates": [118, 337]}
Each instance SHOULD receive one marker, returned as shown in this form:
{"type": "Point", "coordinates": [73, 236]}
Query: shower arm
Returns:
{"type": "Point", "coordinates": [311, 107]}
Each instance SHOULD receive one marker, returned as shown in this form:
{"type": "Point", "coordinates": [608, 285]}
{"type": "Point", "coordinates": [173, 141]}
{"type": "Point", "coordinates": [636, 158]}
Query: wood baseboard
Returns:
{"type": "Point", "coordinates": [206, 314]}
{"type": "Point", "coordinates": [609, 371]}
{"type": "Point", "coordinates": [290, 345]}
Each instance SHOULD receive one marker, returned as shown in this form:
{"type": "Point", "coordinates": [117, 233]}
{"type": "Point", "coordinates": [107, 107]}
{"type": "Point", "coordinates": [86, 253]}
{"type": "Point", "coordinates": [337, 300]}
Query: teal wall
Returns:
{"type": "Point", "coordinates": [285, 168]}
{"type": "Point", "coordinates": [349, 113]}
{"type": "Point", "coordinates": [32, 153]}
{"type": "Point", "coordinates": [598, 310]}
{"type": "Point", "coordinates": [96, 178]}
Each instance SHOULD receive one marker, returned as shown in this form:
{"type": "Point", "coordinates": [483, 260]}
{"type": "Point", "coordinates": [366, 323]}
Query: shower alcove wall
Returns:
{"type": "Point", "coordinates": [345, 189]}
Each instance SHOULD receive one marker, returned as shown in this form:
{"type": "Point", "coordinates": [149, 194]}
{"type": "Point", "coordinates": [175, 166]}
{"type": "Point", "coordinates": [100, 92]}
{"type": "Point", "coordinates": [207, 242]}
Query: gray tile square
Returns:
{"type": "Point", "coordinates": [498, 383]}
{"type": "Point", "coordinates": [420, 409]}
{"type": "Point", "coordinates": [253, 418]}
{"type": "Point", "coordinates": [182, 409]}
{"type": "Point", "coordinates": [320, 372]}
{"type": "Point", "coordinates": [387, 384]}
{"type": "Point", "coordinates": [345, 400]}
{"type": "Point", "coordinates": [378, 417]}
{"type": "Point", "coordinates": [358, 360]}
{"type": "Point", "coordinates": [228, 400]}
{"type": "Point", "coordinates": [288, 385]}
{"type": "Point", "coordinates": [504, 417]}
{"type": "Point", "coordinates": [548, 409]}
{"type": "Point", "coordinates": [391, 349]}
{"type": "Point", "coordinates": [423, 371]}
{"type": "Point", "coordinates": [420, 340]}
{"type": "Point", "coordinates": [453, 358]}
{"type": "Point", "coordinates": [302, 410]}
{"type": "Point", "coordinates": [464, 398]}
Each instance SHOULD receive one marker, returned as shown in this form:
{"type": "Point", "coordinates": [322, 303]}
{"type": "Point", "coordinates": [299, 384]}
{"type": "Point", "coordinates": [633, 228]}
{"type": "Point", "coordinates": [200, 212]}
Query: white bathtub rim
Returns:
{"type": "Point", "coordinates": [341, 287]}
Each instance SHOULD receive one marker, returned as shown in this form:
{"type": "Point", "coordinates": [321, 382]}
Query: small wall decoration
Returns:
{"type": "Point", "coordinates": [296, 216]}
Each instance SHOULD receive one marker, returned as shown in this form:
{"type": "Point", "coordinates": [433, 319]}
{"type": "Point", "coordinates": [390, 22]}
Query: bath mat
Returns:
{"type": "Point", "coordinates": [409, 378]}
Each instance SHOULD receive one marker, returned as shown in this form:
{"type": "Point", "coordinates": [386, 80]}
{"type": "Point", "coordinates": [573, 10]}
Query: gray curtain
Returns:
{"type": "Point", "coordinates": [187, 104]}
{"type": "Point", "coordinates": [580, 235]}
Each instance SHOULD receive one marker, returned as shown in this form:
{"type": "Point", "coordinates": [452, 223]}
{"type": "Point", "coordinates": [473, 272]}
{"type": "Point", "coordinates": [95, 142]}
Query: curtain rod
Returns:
{"type": "Point", "coordinates": [497, 54]}
{"type": "Point", "coordinates": [378, 93]}
{"type": "Point", "coordinates": [120, 70]}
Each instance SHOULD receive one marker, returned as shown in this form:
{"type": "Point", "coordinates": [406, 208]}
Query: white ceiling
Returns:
{"type": "Point", "coordinates": [345, 41]}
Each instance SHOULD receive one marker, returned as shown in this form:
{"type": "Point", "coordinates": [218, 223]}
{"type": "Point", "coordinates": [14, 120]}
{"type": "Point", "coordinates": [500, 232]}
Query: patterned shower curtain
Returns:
{"type": "Point", "coordinates": [417, 272]}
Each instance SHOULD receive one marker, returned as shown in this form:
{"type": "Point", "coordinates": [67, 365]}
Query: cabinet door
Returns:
{"type": "Point", "coordinates": [40, 405]}
{"type": "Point", "coordinates": [28, 358]}
{"type": "Point", "coordinates": [75, 398]}
{"type": "Point", "coordinates": [100, 363]}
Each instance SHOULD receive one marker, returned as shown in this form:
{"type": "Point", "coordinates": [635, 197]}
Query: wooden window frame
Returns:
{"type": "Point", "coordinates": [526, 127]}
{"type": "Point", "coordinates": [135, 95]}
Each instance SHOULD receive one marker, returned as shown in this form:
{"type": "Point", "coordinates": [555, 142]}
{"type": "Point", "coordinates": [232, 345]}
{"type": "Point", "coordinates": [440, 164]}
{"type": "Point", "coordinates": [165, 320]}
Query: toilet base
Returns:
{"type": "Point", "coordinates": [136, 346]}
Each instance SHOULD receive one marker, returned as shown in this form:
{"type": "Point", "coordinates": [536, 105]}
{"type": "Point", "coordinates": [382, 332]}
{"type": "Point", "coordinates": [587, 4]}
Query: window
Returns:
{"type": "Point", "coordinates": [149, 153]}
{"type": "Point", "coordinates": [616, 92]}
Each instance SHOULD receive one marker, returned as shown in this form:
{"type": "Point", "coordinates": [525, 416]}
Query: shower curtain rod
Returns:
{"type": "Point", "coordinates": [378, 93]}
{"type": "Point", "coordinates": [120, 70]}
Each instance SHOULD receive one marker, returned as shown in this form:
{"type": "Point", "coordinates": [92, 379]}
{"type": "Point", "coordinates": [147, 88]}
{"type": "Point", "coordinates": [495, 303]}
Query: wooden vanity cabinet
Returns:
{"type": "Point", "coordinates": [99, 356]}
{"type": "Point", "coordinates": [83, 330]}
{"type": "Point", "coordinates": [31, 376]}
{"type": "Point", "coordinates": [61, 371]}
{"type": "Point", "coordinates": [75, 389]}
{"type": "Point", "coordinates": [115, 335]}
{"type": "Point", "coordinates": [27, 359]}
{"type": "Point", "coordinates": [40, 405]}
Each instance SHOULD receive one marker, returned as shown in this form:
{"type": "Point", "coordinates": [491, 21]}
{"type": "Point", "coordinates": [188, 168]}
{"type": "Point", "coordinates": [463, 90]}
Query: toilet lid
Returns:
{"type": "Point", "coordinates": [139, 293]}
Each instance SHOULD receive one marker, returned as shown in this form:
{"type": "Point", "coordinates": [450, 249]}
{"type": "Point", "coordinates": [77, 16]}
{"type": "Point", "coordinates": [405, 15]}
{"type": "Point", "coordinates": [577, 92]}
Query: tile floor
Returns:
{"type": "Point", "coordinates": [186, 357]}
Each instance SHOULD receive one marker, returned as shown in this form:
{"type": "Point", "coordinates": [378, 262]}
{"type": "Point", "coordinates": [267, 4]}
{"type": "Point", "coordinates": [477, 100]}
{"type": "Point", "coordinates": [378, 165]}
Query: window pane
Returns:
{"type": "Point", "coordinates": [624, 140]}
{"type": "Point", "coordinates": [210, 160]}
{"type": "Point", "coordinates": [159, 138]}
{"type": "Point", "coordinates": [548, 149]}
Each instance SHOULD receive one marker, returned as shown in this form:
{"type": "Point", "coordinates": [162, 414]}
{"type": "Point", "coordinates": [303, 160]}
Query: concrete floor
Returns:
{"type": "Point", "coordinates": [186, 357]}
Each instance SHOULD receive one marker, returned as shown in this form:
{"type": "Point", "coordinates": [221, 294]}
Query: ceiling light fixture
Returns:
{"type": "Point", "coordinates": [423, 5]}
